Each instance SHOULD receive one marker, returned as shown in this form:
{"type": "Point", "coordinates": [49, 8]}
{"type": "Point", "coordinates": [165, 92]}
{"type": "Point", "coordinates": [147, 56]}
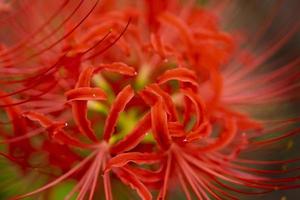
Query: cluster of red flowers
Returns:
{"type": "Point", "coordinates": [152, 94]}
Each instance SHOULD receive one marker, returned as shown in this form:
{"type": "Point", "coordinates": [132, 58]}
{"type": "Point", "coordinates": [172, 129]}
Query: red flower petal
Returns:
{"type": "Point", "coordinates": [84, 79]}
{"type": "Point", "coordinates": [160, 126]}
{"type": "Point", "coordinates": [41, 118]}
{"type": "Point", "coordinates": [85, 93]}
{"type": "Point", "coordinates": [133, 138]}
{"type": "Point", "coordinates": [118, 106]}
{"type": "Point", "coordinates": [140, 158]}
{"type": "Point", "coordinates": [179, 74]}
{"type": "Point", "coordinates": [130, 179]}
{"type": "Point", "coordinates": [182, 28]}
{"type": "Point", "coordinates": [199, 106]}
{"type": "Point", "coordinates": [118, 67]}
{"type": "Point", "coordinates": [146, 175]}
{"type": "Point", "coordinates": [167, 101]}
{"type": "Point", "coordinates": [54, 129]}
{"type": "Point", "coordinates": [224, 138]}
{"type": "Point", "coordinates": [201, 128]}
{"type": "Point", "coordinates": [79, 108]}
{"type": "Point", "coordinates": [176, 129]}
{"type": "Point", "coordinates": [200, 132]}
{"type": "Point", "coordinates": [157, 45]}
{"type": "Point", "coordinates": [148, 96]}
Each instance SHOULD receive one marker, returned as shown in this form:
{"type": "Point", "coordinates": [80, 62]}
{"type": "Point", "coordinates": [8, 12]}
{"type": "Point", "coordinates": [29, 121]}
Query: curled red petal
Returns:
{"type": "Point", "coordinates": [167, 101]}
{"type": "Point", "coordinates": [62, 137]}
{"type": "Point", "coordinates": [200, 132]}
{"type": "Point", "coordinates": [157, 45]}
{"type": "Point", "coordinates": [118, 106]}
{"type": "Point", "coordinates": [118, 67]}
{"type": "Point", "coordinates": [146, 175]}
{"type": "Point", "coordinates": [133, 138]}
{"type": "Point", "coordinates": [224, 138]}
{"type": "Point", "coordinates": [179, 74]}
{"type": "Point", "coordinates": [148, 96]}
{"type": "Point", "coordinates": [84, 79]}
{"type": "Point", "coordinates": [176, 129]}
{"type": "Point", "coordinates": [85, 93]}
{"type": "Point", "coordinates": [54, 129]}
{"type": "Point", "coordinates": [180, 25]}
{"type": "Point", "coordinates": [199, 106]}
{"type": "Point", "coordinates": [140, 158]}
{"type": "Point", "coordinates": [40, 118]}
{"type": "Point", "coordinates": [129, 178]}
{"type": "Point", "coordinates": [160, 125]}
{"type": "Point", "coordinates": [79, 109]}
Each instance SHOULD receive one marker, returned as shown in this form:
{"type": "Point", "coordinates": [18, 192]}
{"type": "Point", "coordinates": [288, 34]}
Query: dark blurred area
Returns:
{"type": "Point", "coordinates": [274, 19]}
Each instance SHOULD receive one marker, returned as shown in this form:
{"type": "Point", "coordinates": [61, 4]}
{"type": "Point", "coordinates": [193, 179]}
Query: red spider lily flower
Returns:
{"type": "Point", "coordinates": [100, 154]}
{"type": "Point", "coordinates": [151, 94]}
